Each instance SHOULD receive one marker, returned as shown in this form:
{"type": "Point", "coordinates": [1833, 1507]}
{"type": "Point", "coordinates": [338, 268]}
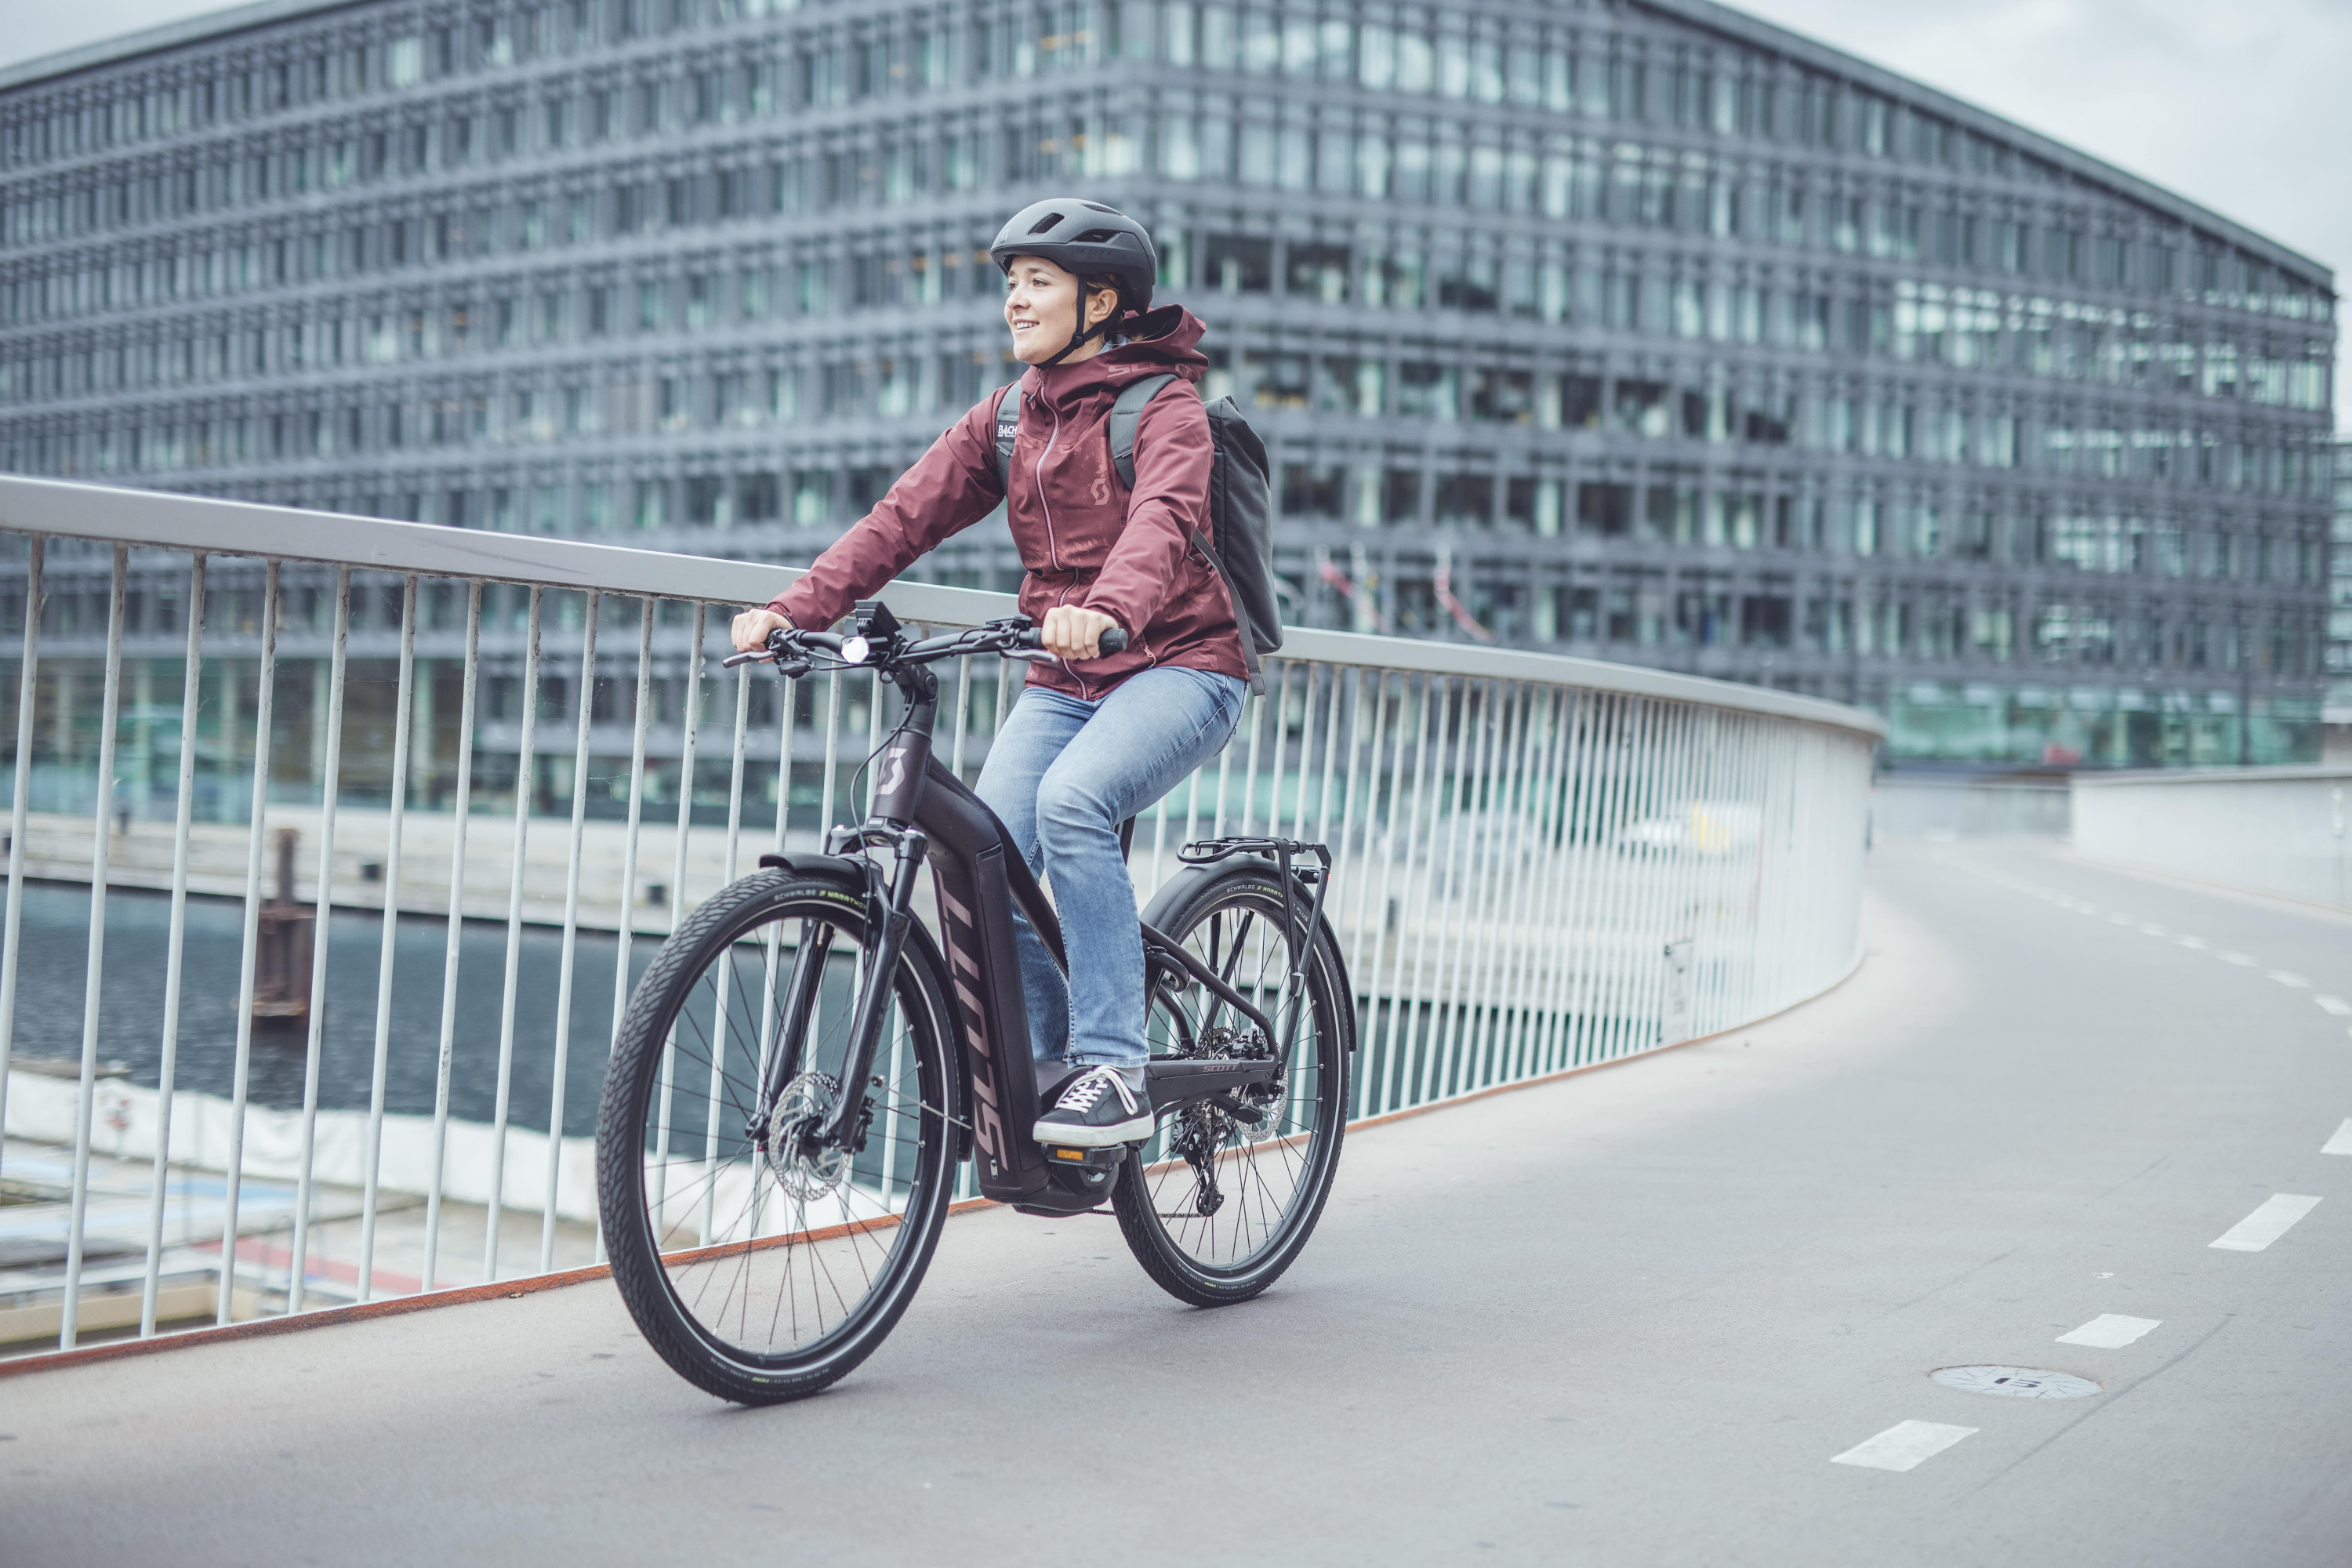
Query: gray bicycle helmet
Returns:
{"type": "Point", "coordinates": [1088, 240]}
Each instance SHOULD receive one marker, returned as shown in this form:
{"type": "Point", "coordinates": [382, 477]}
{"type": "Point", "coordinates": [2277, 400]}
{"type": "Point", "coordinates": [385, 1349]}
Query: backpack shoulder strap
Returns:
{"type": "Point", "coordinates": [1008, 429]}
{"type": "Point", "coordinates": [1125, 415]}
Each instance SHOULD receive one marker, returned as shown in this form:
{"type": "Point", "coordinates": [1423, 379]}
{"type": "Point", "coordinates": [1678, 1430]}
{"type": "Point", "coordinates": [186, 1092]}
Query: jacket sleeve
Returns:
{"type": "Point", "coordinates": [952, 486]}
{"type": "Point", "coordinates": [1172, 458]}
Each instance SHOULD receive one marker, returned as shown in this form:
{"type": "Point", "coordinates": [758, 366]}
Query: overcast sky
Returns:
{"type": "Point", "coordinates": [2242, 105]}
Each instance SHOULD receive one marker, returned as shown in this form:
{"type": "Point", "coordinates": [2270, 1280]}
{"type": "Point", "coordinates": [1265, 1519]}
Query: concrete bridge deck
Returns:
{"type": "Point", "coordinates": [1631, 1317]}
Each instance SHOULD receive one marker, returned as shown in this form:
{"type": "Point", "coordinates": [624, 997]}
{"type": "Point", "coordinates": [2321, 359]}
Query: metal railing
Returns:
{"type": "Point", "coordinates": [226, 1099]}
{"type": "Point", "coordinates": [2286, 831]}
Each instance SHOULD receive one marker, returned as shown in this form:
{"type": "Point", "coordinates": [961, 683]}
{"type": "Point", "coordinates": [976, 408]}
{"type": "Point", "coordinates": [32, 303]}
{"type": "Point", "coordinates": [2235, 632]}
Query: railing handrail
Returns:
{"type": "Point", "coordinates": [159, 520]}
{"type": "Point", "coordinates": [2286, 774]}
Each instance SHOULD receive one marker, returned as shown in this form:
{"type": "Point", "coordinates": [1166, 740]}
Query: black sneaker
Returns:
{"type": "Point", "coordinates": [1096, 1111]}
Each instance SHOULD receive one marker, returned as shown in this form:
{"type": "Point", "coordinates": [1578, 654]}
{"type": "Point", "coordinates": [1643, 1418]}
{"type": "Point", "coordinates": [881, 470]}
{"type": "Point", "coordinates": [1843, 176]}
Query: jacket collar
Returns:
{"type": "Point", "coordinates": [1158, 341]}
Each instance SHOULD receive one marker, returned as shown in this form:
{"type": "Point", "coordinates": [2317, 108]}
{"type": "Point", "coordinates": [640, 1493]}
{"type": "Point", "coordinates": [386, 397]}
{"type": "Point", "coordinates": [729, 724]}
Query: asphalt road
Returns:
{"type": "Point", "coordinates": [1631, 1317]}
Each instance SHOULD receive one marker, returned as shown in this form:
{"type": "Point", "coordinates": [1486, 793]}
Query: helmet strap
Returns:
{"type": "Point", "coordinates": [1081, 332]}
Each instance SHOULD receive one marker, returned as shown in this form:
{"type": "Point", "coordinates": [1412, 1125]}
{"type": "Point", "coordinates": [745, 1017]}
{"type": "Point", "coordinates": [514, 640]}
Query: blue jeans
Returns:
{"type": "Point", "coordinates": [1062, 775]}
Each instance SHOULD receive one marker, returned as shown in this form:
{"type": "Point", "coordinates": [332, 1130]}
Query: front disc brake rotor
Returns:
{"type": "Point", "coordinates": [802, 1172]}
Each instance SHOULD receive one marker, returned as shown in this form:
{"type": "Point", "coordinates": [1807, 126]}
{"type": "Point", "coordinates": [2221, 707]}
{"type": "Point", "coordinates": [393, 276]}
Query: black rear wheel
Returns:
{"type": "Point", "coordinates": [1226, 1194]}
{"type": "Point", "coordinates": [758, 1270]}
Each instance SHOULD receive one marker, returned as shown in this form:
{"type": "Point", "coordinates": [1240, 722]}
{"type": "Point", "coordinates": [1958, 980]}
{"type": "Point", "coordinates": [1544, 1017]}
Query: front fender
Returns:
{"type": "Point", "coordinates": [846, 869]}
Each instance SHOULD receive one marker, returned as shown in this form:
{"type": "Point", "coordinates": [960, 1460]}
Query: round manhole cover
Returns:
{"type": "Point", "coordinates": [2018, 1382]}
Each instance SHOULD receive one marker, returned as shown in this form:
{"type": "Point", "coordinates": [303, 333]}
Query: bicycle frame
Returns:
{"type": "Point", "coordinates": [922, 812]}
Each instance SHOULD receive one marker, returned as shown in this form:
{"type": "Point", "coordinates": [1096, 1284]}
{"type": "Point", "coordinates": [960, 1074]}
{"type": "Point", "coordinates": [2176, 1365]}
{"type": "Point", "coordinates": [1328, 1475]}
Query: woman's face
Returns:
{"type": "Point", "coordinates": [1041, 306]}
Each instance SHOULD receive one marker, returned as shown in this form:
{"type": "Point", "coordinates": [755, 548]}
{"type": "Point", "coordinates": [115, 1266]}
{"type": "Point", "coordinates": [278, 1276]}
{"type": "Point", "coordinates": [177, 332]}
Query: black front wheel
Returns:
{"type": "Point", "coordinates": [760, 1266]}
{"type": "Point", "coordinates": [1221, 1201]}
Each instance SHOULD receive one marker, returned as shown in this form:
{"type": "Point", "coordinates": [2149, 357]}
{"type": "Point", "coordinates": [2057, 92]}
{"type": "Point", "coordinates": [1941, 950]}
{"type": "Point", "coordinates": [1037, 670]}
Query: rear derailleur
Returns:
{"type": "Point", "coordinates": [1205, 1129]}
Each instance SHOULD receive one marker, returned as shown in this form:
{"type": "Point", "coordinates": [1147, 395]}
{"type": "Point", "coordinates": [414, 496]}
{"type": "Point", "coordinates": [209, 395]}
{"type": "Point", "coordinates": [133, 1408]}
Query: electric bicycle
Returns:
{"type": "Point", "coordinates": [803, 1067]}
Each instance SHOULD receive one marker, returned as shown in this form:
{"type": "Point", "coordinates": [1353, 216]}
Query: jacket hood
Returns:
{"type": "Point", "coordinates": [1159, 340]}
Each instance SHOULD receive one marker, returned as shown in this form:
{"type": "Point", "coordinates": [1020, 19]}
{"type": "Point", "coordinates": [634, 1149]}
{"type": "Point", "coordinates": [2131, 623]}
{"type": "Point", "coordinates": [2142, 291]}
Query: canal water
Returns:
{"type": "Point", "coordinates": [52, 974]}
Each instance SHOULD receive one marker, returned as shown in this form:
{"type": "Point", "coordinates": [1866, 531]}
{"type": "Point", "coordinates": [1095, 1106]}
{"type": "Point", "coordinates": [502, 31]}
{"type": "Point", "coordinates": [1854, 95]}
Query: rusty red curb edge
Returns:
{"type": "Point", "coordinates": [393, 1307]}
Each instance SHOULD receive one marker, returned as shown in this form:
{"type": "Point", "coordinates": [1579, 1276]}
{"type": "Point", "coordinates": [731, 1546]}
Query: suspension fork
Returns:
{"type": "Point", "coordinates": [842, 1123]}
{"type": "Point", "coordinates": [781, 1054]}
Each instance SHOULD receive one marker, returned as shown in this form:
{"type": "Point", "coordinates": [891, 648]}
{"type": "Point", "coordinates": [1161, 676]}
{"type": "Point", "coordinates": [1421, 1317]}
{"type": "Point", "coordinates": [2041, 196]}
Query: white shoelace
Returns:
{"type": "Point", "coordinates": [1081, 1096]}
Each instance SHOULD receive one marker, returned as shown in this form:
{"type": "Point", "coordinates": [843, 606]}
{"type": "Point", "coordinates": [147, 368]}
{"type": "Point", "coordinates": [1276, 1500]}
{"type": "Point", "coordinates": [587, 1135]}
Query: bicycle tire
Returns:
{"type": "Point", "coordinates": [1307, 1132]}
{"type": "Point", "coordinates": [635, 1164]}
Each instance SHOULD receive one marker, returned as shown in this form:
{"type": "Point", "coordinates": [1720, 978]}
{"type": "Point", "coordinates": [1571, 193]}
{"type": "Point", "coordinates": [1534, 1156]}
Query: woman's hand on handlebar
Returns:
{"type": "Point", "coordinates": [1072, 631]}
{"type": "Point", "coordinates": [749, 632]}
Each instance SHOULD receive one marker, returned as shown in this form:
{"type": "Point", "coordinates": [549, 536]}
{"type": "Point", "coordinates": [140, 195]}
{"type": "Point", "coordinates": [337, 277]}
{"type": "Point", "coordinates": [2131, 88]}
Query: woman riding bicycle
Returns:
{"type": "Point", "coordinates": [1095, 738]}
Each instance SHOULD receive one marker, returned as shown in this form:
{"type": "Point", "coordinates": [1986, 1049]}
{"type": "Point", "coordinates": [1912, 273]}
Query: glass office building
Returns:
{"type": "Point", "coordinates": [1644, 332]}
{"type": "Point", "coordinates": [2336, 747]}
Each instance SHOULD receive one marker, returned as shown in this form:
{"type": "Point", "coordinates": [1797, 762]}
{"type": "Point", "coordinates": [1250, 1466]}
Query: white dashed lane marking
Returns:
{"type": "Point", "coordinates": [2335, 1005]}
{"type": "Point", "coordinates": [2267, 1224]}
{"type": "Point", "coordinates": [1904, 1446]}
{"type": "Point", "coordinates": [2111, 1331]}
{"type": "Point", "coordinates": [2342, 1142]}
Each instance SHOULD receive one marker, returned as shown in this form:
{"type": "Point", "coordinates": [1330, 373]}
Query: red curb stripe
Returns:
{"type": "Point", "coordinates": [119, 1350]}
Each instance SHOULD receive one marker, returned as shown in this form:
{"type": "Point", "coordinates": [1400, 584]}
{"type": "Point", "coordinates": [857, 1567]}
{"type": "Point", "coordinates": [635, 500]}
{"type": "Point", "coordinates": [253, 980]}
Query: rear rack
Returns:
{"type": "Point", "coordinates": [1209, 851]}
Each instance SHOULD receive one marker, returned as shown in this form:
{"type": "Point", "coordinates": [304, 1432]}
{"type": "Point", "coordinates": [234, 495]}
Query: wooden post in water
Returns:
{"type": "Point", "coordinates": [281, 970]}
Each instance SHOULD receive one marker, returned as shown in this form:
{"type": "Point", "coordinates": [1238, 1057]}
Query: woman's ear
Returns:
{"type": "Point", "coordinates": [1102, 305]}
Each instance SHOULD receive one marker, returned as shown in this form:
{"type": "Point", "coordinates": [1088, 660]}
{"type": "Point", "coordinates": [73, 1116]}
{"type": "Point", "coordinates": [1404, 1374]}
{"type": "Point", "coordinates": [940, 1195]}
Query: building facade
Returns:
{"type": "Point", "coordinates": [2337, 714]}
{"type": "Point", "coordinates": [1640, 330]}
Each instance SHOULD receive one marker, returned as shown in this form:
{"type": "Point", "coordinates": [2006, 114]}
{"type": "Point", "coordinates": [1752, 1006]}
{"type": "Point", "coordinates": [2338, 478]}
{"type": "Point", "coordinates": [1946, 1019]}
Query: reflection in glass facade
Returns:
{"type": "Point", "coordinates": [1645, 331]}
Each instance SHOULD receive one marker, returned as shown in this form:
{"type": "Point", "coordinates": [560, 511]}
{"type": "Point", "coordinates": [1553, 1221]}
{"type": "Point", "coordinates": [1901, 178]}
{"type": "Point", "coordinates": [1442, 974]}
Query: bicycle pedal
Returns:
{"type": "Point", "coordinates": [1069, 1157]}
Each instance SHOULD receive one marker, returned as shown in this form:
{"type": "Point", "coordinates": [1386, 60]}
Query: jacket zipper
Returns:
{"type": "Point", "coordinates": [1053, 546]}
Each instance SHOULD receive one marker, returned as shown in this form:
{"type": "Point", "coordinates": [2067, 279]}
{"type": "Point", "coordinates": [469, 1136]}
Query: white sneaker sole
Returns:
{"type": "Point", "coordinates": [1070, 1135]}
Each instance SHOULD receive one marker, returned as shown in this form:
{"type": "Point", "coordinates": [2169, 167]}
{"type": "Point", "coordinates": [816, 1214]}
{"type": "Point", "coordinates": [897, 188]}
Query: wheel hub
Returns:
{"type": "Point", "coordinates": [802, 1170]}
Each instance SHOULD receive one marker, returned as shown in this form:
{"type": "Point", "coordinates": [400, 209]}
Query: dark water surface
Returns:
{"type": "Point", "coordinates": [52, 976]}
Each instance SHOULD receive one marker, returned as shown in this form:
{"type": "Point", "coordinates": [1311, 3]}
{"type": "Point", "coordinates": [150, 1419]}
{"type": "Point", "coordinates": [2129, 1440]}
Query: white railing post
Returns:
{"type": "Point", "coordinates": [27, 704]}
{"type": "Point", "coordinates": [93, 977]}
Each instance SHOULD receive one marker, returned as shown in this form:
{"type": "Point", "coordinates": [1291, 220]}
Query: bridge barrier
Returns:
{"type": "Point", "coordinates": [1969, 808]}
{"type": "Point", "coordinates": [2286, 831]}
{"type": "Point", "coordinates": [510, 764]}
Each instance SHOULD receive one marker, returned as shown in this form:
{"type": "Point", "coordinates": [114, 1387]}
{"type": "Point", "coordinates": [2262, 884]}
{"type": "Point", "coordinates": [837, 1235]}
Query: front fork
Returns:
{"type": "Point", "coordinates": [890, 910]}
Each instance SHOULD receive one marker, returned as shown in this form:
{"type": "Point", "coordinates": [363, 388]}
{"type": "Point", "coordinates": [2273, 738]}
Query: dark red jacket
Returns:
{"type": "Point", "coordinates": [1086, 539]}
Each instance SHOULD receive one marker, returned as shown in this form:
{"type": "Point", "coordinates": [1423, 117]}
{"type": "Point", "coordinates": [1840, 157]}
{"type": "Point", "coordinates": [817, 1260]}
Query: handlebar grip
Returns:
{"type": "Point", "coordinates": [1113, 640]}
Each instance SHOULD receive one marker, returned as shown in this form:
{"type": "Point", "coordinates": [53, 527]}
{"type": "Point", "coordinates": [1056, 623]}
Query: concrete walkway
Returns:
{"type": "Point", "coordinates": [1629, 1318]}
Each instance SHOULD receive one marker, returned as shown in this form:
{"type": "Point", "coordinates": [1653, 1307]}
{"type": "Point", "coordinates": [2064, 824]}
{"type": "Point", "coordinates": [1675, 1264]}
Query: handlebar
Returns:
{"type": "Point", "coordinates": [1014, 637]}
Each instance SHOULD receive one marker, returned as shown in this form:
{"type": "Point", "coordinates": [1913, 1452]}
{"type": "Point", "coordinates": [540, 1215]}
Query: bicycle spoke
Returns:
{"type": "Point", "coordinates": [1255, 1177]}
{"type": "Point", "coordinates": [772, 1250]}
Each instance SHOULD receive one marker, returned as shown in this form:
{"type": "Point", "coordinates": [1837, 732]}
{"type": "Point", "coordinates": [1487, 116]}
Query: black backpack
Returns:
{"type": "Point", "coordinates": [1241, 505]}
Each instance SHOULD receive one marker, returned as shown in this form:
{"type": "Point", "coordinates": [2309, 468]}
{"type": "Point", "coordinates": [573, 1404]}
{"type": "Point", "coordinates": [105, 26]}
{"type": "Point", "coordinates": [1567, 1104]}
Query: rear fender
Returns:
{"type": "Point", "coordinates": [1176, 893]}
